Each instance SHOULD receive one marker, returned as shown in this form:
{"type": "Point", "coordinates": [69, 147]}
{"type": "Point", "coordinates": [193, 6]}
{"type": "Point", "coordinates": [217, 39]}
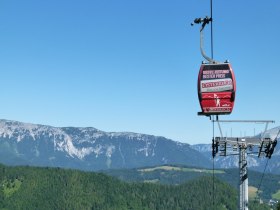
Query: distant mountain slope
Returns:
{"type": "Point", "coordinates": [254, 162]}
{"type": "Point", "coordinates": [89, 148]}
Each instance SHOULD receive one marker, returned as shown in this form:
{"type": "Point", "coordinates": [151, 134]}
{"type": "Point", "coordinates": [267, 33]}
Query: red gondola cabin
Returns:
{"type": "Point", "coordinates": [216, 89]}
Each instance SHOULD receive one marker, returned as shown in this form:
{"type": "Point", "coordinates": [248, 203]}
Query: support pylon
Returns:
{"type": "Point", "coordinates": [222, 145]}
{"type": "Point", "coordinates": [243, 181]}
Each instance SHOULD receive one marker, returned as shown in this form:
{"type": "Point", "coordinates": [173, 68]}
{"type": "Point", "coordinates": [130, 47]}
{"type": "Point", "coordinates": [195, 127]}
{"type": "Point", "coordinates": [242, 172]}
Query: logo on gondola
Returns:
{"type": "Point", "coordinates": [217, 100]}
{"type": "Point", "coordinates": [217, 85]}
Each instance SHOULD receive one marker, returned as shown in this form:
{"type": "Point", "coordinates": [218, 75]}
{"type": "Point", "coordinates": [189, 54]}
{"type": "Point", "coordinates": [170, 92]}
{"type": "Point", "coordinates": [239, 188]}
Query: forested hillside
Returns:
{"type": "Point", "coordinates": [54, 188]}
{"type": "Point", "coordinates": [48, 188]}
{"type": "Point", "coordinates": [178, 174]}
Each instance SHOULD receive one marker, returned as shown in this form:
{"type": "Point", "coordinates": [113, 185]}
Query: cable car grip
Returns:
{"type": "Point", "coordinates": [204, 22]}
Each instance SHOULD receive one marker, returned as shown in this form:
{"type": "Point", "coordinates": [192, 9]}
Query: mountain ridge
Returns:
{"type": "Point", "coordinates": [89, 148]}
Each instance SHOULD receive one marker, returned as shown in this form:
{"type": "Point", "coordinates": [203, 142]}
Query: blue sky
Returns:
{"type": "Point", "coordinates": [123, 65]}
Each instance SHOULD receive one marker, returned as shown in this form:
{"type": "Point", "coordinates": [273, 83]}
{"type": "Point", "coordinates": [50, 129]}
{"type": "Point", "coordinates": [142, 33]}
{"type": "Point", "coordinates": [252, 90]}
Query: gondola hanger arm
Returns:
{"type": "Point", "coordinates": [204, 22]}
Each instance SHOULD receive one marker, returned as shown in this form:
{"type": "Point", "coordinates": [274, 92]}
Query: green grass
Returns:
{"type": "Point", "coordinates": [176, 168]}
{"type": "Point", "coordinates": [276, 195]}
{"type": "Point", "coordinates": [252, 191]}
{"type": "Point", "coordinates": [208, 171]}
{"type": "Point", "coordinates": [151, 181]}
{"type": "Point", "coordinates": [167, 168]}
{"type": "Point", "coordinates": [10, 187]}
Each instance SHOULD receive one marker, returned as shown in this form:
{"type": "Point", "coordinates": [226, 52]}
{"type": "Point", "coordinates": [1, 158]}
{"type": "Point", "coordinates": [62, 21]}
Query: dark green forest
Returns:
{"type": "Point", "coordinates": [55, 188]}
{"type": "Point", "coordinates": [178, 174]}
